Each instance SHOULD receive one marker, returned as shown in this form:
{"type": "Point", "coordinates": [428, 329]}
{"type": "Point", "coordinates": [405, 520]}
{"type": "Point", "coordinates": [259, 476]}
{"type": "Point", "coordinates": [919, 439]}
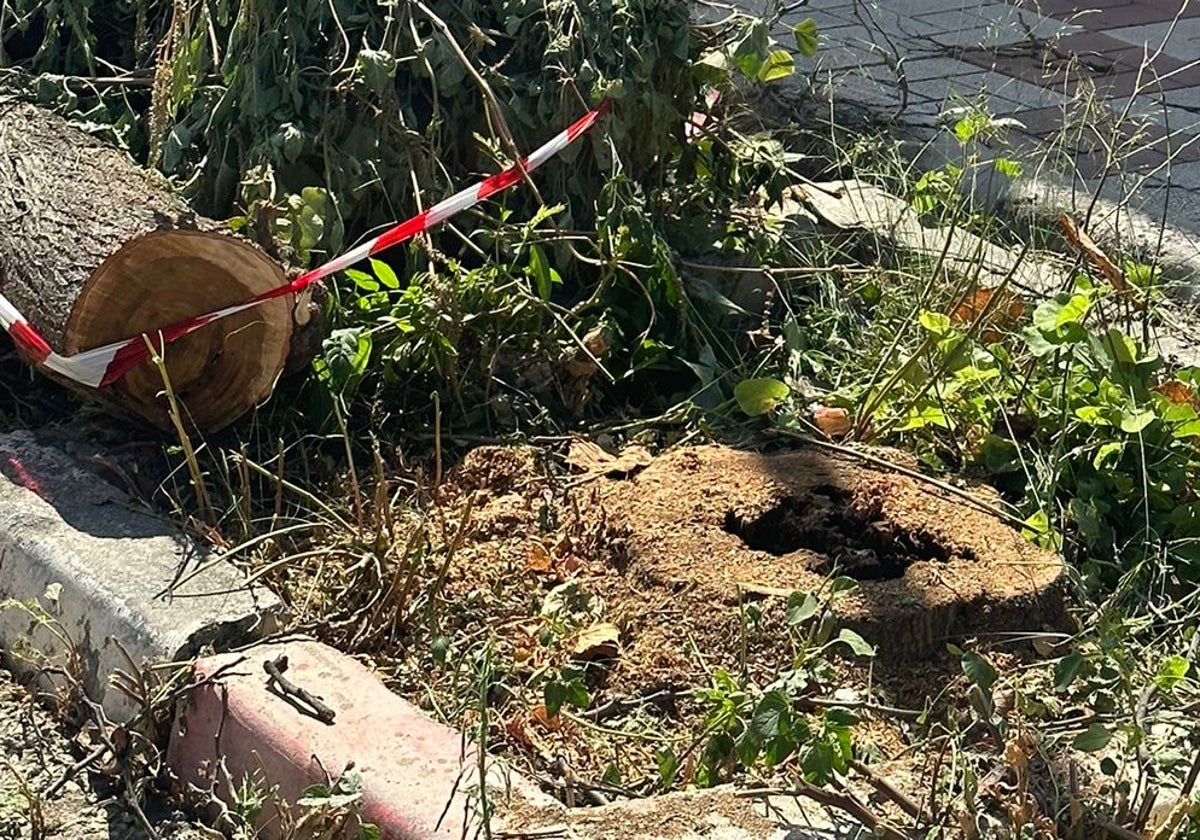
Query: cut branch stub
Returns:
{"type": "Point", "coordinates": [96, 250]}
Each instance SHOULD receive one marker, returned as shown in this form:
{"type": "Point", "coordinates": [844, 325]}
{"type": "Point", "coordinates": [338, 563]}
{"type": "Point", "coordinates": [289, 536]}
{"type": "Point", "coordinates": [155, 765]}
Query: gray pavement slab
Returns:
{"type": "Point", "coordinates": [102, 577]}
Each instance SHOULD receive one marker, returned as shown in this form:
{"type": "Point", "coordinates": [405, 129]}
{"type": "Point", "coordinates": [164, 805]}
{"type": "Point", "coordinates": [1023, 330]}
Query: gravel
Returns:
{"type": "Point", "coordinates": [35, 752]}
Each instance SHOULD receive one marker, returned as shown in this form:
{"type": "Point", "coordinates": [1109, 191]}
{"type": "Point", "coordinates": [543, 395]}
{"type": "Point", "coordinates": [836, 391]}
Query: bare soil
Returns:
{"type": "Point", "coordinates": [35, 754]}
{"type": "Point", "coordinates": [644, 575]}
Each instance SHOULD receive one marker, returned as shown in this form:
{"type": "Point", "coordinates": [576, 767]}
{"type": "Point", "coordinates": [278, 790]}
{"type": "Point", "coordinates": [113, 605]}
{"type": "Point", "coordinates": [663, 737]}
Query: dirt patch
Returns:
{"type": "Point", "coordinates": [655, 581]}
{"type": "Point", "coordinates": [35, 754]}
{"type": "Point", "coordinates": [673, 552]}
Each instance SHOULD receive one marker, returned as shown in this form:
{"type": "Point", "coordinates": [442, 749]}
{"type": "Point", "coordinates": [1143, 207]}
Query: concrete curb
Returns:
{"type": "Point", "coordinates": [420, 778]}
{"type": "Point", "coordinates": [103, 575]}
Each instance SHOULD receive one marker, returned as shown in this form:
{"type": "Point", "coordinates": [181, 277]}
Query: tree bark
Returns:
{"type": "Point", "coordinates": [94, 249]}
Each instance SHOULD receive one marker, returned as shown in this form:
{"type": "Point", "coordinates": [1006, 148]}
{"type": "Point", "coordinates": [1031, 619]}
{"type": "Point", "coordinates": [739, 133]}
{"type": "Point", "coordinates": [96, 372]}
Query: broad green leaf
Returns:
{"type": "Point", "coordinates": [771, 715]}
{"type": "Point", "coordinates": [919, 418]}
{"type": "Point", "coordinates": [800, 608]}
{"type": "Point", "coordinates": [1171, 672]}
{"type": "Point", "coordinates": [1095, 738]}
{"type": "Point", "coordinates": [979, 670]}
{"type": "Point", "coordinates": [1134, 422]}
{"type": "Point", "coordinates": [759, 396]}
{"type": "Point", "coordinates": [1074, 311]}
{"type": "Point", "coordinates": [386, 275]}
{"type": "Point", "coordinates": [779, 65]}
{"type": "Point", "coordinates": [539, 267]}
{"type": "Point", "coordinates": [1116, 346]}
{"type": "Point", "coordinates": [936, 323]}
{"type": "Point", "coordinates": [577, 694]}
{"type": "Point", "coordinates": [1108, 454]}
{"type": "Point", "coordinates": [363, 280]}
{"type": "Point", "coordinates": [842, 584]}
{"type": "Point", "coordinates": [554, 694]}
{"type": "Point", "coordinates": [840, 717]}
{"type": "Point", "coordinates": [748, 746]}
{"type": "Point", "coordinates": [780, 748]}
{"type": "Point", "coordinates": [805, 33]}
{"type": "Point", "coordinates": [855, 642]}
{"type": "Point", "coordinates": [1037, 342]}
{"type": "Point", "coordinates": [1008, 166]}
{"type": "Point", "coordinates": [1093, 415]}
{"type": "Point", "coordinates": [668, 766]}
{"type": "Point", "coordinates": [1067, 670]}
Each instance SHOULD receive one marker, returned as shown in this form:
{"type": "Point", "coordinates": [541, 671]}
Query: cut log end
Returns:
{"type": "Point", "coordinates": [220, 371]}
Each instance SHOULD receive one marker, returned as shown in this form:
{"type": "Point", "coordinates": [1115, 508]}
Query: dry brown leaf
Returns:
{"type": "Point", "coordinates": [543, 718]}
{"type": "Point", "coordinates": [833, 422]}
{"type": "Point", "coordinates": [1179, 393]}
{"type": "Point", "coordinates": [516, 732]}
{"type": "Point", "coordinates": [1007, 308]}
{"type": "Point", "coordinates": [591, 458]}
{"type": "Point", "coordinates": [1079, 238]}
{"type": "Point", "coordinates": [538, 559]}
{"type": "Point", "coordinates": [600, 641]}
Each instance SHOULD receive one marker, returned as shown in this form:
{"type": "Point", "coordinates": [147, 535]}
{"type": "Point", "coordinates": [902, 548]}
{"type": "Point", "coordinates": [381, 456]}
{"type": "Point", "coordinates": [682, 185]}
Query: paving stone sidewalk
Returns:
{"type": "Point", "coordinates": [1079, 76]}
{"type": "Point", "coordinates": [1034, 60]}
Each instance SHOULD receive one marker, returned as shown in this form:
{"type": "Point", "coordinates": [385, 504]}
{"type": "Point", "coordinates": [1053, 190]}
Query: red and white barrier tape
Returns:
{"type": "Point", "coordinates": [103, 366]}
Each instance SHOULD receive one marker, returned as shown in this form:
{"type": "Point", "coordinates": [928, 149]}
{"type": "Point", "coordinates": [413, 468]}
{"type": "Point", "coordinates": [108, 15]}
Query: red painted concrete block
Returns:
{"type": "Point", "coordinates": [414, 772]}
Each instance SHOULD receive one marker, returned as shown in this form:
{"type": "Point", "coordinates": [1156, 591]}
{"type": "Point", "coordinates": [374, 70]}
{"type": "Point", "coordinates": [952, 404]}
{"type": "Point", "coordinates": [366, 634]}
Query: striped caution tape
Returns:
{"type": "Point", "coordinates": [102, 366]}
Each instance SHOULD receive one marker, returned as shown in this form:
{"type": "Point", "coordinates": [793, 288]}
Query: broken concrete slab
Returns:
{"type": "Point", "coordinates": [85, 579]}
{"type": "Point", "coordinates": [863, 206]}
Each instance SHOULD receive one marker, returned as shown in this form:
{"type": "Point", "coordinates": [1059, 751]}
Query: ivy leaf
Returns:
{"type": "Point", "coordinates": [855, 642]}
{"type": "Point", "coordinates": [779, 65]}
{"type": "Point", "coordinates": [800, 608]}
{"type": "Point", "coordinates": [1171, 672]}
{"type": "Point", "coordinates": [759, 396]}
{"type": "Point", "coordinates": [979, 670]}
{"type": "Point", "coordinates": [805, 33]}
{"type": "Point", "coordinates": [1094, 739]}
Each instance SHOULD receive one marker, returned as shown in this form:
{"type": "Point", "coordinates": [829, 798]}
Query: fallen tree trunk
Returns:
{"type": "Point", "coordinates": [94, 249]}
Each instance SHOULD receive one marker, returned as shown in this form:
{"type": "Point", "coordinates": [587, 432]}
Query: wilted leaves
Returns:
{"type": "Point", "coordinates": [996, 309]}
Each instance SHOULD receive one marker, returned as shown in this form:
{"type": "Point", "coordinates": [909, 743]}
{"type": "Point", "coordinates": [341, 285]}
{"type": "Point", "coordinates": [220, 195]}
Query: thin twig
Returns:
{"type": "Point", "coordinates": [843, 800]}
{"type": "Point", "coordinates": [275, 669]}
{"type": "Point", "coordinates": [887, 789]}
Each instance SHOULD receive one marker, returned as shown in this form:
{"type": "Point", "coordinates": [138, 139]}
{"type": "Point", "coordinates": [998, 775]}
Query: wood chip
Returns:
{"type": "Point", "coordinates": [600, 641]}
{"type": "Point", "coordinates": [591, 458]}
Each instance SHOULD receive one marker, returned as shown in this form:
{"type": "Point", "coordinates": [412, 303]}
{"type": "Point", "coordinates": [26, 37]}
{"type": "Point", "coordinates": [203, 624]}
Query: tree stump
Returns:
{"type": "Point", "coordinates": [93, 249]}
